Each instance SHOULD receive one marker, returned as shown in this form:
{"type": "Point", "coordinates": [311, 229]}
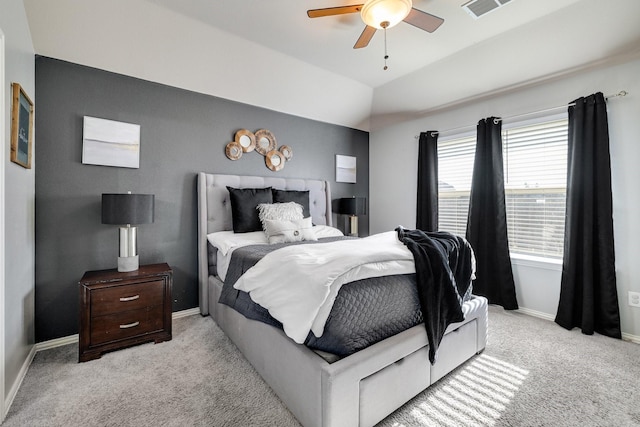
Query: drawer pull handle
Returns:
{"type": "Point", "coordinates": [125, 299]}
{"type": "Point", "coordinates": [129, 325]}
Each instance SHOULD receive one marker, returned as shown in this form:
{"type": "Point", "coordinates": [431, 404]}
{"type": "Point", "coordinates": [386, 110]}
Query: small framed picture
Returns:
{"type": "Point", "coordinates": [21, 126]}
{"type": "Point", "coordinates": [345, 169]}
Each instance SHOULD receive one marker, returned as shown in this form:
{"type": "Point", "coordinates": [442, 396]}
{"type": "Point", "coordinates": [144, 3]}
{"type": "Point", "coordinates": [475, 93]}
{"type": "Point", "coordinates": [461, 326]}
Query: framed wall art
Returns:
{"type": "Point", "coordinates": [345, 169]}
{"type": "Point", "coordinates": [110, 143]}
{"type": "Point", "coordinates": [21, 126]}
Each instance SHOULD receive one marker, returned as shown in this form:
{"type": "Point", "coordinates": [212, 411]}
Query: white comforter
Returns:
{"type": "Point", "coordinates": [298, 284]}
{"type": "Point", "coordinates": [227, 241]}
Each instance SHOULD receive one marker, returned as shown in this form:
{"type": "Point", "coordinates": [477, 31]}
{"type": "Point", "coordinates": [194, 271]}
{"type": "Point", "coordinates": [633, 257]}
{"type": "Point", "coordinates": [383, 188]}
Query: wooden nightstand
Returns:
{"type": "Point", "coordinates": [122, 309]}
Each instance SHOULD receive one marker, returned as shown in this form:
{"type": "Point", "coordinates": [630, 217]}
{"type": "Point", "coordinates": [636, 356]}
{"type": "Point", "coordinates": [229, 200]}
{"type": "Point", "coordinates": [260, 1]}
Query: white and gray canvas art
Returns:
{"type": "Point", "coordinates": [110, 143]}
{"type": "Point", "coordinates": [345, 168]}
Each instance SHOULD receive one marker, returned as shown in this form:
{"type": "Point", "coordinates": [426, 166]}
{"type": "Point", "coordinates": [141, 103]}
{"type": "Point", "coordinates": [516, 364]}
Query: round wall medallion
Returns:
{"type": "Point", "coordinates": [246, 139]}
{"type": "Point", "coordinates": [274, 160]}
{"type": "Point", "coordinates": [286, 151]}
{"type": "Point", "coordinates": [233, 150]}
{"type": "Point", "coordinates": [265, 142]}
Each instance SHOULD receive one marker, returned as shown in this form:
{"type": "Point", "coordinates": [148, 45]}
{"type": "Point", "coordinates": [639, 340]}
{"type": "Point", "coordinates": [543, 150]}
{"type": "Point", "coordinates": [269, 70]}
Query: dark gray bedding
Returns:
{"type": "Point", "coordinates": [364, 312]}
{"type": "Point", "coordinates": [367, 311]}
{"type": "Point", "coordinates": [243, 259]}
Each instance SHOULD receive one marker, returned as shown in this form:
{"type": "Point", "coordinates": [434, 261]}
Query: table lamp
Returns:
{"type": "Point", "coordinates": [352, 206]}
{"type": "Point", "coordinates": [127, 211]}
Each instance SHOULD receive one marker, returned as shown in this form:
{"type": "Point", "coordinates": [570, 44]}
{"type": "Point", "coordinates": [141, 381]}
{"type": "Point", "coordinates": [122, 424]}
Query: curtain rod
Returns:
{"type": "Point", "coordinates": [621, 93]}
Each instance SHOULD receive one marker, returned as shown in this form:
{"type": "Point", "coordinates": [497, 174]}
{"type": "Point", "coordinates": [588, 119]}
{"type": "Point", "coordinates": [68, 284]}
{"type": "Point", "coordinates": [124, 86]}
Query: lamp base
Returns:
{"type": "Point", "coordinates": [353, 225]}
{"type": "Point", "coordinates": [128, 263]}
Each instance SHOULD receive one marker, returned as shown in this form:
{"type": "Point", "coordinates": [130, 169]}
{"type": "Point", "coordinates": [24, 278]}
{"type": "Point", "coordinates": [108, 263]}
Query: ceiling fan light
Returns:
{"type": "Point", "coordinates": [375, 12]}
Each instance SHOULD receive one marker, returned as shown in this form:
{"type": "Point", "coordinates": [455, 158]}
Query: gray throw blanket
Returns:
{"type": "Point", "coordinates": [443, 275]}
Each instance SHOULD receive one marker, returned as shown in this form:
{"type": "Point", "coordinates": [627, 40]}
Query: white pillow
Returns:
{"type": "Point", "coordinates": [289, 231]}
{"type": "Point", "coordinates": [326, 231]}
{"type": "Point", "coordinates": [224, 241]}
{"type": "Point", "coordinates": [288, 211]}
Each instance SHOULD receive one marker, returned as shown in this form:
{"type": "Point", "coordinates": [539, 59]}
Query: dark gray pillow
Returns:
{"type": "Point", "coordinates": [244, 203]}
{"type": "Point", "coordinates": [300, 197]}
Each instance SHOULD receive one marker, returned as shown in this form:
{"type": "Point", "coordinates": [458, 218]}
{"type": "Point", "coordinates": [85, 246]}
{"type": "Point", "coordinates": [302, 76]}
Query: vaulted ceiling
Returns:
{"type": "Point", "coordinates": [270, 54]}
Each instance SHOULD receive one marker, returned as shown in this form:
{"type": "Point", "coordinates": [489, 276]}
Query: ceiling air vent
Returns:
{"type": "Point", "coordinates": [478, 8]}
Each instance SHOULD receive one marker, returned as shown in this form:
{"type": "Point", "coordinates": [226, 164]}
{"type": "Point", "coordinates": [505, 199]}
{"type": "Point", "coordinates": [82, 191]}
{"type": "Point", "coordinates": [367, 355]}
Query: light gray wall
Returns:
{"type": "Point", "coordinates": [155, 43]}
{"type": "Point", "coordinates": [393, 175]}
{"type": "Point", "coordinates": [182, 133]}
{"type": "Point", "coordinates": [19, 183]}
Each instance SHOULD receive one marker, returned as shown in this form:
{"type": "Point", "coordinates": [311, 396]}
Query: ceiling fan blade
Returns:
{"type": "Point", "coordinates": [330, 11]}
{"type": "Point", "coordinates": [423, 20]}
{"type": "Point", "coordinates": [365, 37]}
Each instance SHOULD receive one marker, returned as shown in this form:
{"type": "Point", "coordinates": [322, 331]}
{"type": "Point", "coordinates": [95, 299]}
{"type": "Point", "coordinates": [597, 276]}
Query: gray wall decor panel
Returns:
{"type": "Point", "coordinates": [182, 133]}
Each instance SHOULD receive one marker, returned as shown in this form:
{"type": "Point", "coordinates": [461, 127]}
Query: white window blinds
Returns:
{"type": "Point", "coordinates": [535, 170]}
{"type": "Point", "coordinates": [455, 168]}
{"type": "Point", "coordinates": [535, 175]}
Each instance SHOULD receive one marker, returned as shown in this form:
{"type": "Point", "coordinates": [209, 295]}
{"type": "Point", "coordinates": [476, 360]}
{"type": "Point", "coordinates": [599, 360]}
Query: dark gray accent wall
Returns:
{"type": "Point", "coordinates": [182, 133]}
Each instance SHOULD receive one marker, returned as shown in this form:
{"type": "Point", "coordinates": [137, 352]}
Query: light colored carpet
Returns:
{"type": "Point", "coordinates": [533, 373]}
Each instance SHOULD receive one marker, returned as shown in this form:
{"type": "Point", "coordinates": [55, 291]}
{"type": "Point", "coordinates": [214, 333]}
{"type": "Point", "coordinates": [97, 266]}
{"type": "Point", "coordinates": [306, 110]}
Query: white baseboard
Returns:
{"type": "Point", "coordinates": [185, 313]}
{"type": "Point", "coordinates": [71, 339]}
{"type": "Point", "coordinates": [546, 316]}
{"type": "Point", "coordinates": [631, 338]}
{"type": "Point", "coordinates": [18, 382]}
{"type": "Point", "coordinates": [534, 313]}
{"type": "Point", "coordinates": [58, 342]}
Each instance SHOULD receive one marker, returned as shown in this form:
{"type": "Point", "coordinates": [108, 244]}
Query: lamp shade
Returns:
{"type": "Point", "coordinates": [376, 12]}
{"type": "Point", "coordinates": [123, 209]}
{"type": "Point", "coordinates": [352, 206]}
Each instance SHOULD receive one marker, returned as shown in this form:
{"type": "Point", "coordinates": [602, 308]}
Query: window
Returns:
{"type": "Point", "coordinates": [535, 158]}
{"type": "Point", "coordinates": [455, 168]}
{"type": "Point", "coordinates": [535, 173]}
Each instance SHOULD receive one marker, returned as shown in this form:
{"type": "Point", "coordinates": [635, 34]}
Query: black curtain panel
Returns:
{"type": "Point", "coordinates": [487, 221]}
{"type": "Point", "coordinates": [427, 203]}
{"type": "Point", "coordinates": [588, 294]}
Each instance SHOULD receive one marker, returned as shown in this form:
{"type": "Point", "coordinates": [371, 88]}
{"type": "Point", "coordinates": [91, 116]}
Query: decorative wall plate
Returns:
{"type": "Point", "coordinates": [233, 150]}
{"type": "Point", "coordinates": [246, 139]}
{"type": "Point", "coordinates": [265, 142]}
{"type": "Point", "coordinates": [274, 160]}
{"type": "Point", "coordinates": [286, 151]}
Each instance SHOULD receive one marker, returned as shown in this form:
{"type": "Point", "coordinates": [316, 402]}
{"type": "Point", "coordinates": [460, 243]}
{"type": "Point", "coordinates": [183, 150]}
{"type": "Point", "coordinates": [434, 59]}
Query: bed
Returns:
{"type": "Point", "coordinates": [357, 390]}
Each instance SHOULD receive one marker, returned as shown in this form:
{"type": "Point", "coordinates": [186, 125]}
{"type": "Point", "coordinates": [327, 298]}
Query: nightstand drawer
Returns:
{"type": "Point", "coordinates": [126, 297]}
{"type": "Point", "coordinates": [126, 324]}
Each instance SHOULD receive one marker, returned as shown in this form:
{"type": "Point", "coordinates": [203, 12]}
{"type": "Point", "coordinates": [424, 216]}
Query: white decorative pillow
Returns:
{"type": "Point", "coordinates": [326, 231]}
{"type": "Point", "coordinates": [225, 241]}
{"type": "Point", "coordinates": [289, 231]}
{"type": "Point", "coordinates": [278, 212]}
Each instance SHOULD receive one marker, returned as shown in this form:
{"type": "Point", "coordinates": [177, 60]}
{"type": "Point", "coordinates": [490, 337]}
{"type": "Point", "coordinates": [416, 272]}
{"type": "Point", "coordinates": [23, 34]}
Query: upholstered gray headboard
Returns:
{"type": "Point", "coordinates": [214, 210]}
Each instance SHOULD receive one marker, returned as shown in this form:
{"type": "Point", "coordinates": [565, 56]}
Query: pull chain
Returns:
{"type": "Point", "coordinates": [384, 25]}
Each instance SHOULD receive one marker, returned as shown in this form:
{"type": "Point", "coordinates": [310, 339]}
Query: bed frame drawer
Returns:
{"type": "Point", "coordinates": [387, 389]}
{"type": "Point", "coordinates": [456, 347]}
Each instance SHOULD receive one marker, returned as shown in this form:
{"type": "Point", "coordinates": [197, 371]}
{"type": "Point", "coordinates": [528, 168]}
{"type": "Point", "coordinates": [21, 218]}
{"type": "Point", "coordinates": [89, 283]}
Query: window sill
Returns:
{"type": "Point", "coordinates": [536, 262]}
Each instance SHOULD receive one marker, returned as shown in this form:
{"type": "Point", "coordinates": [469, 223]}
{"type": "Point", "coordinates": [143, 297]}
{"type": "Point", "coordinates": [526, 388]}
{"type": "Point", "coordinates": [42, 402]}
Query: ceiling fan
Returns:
{"type": "Point", "coordinates": [382, 14]}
